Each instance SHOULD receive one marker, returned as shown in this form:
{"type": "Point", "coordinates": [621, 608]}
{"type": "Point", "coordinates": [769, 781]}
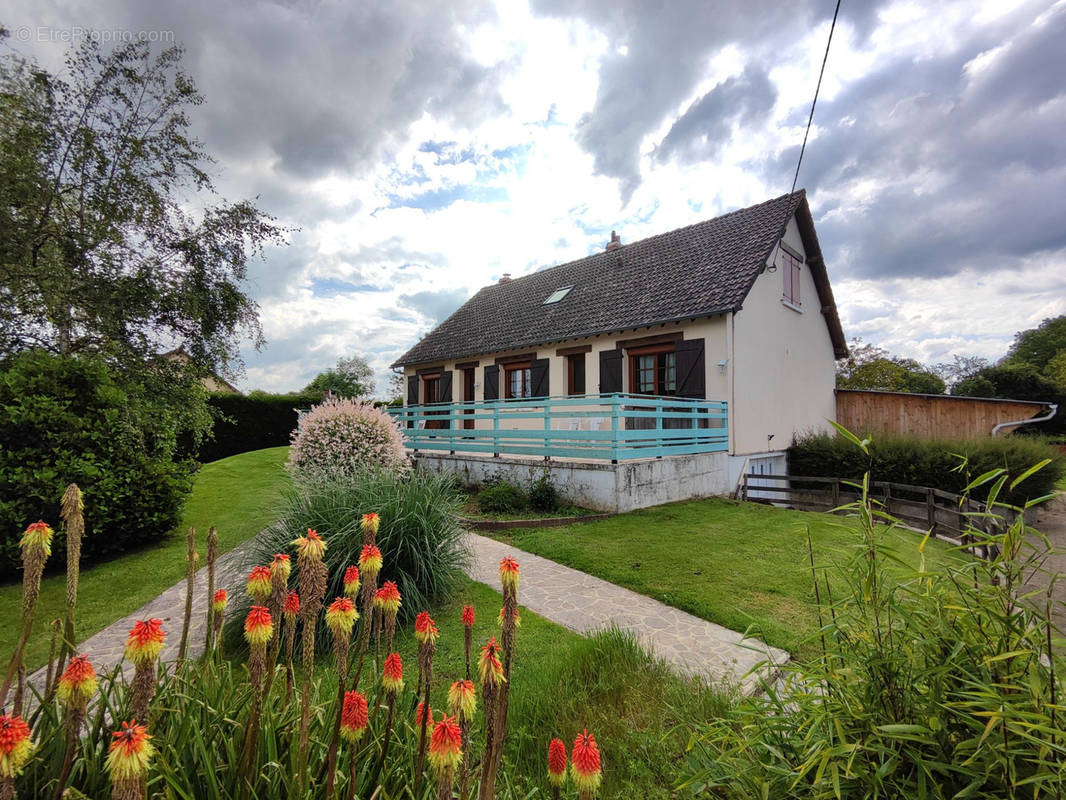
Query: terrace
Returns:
{"type": "Point", "coordinates": [616, 427]}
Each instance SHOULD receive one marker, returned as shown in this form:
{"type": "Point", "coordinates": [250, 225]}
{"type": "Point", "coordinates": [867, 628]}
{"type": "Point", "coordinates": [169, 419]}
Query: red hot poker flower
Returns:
{"type": "Point", "coordinates": [15, 745]}
{"type": "Point", "coordinates": [341, 616]}
{"type": "Point", "coordinates": [370, 523]}
{"type": "Point", "coordinates": [259, 584]}
{"type": "Point", "coordinates": [557, 762]}
{"type": "Point", "coordinates": [462, 700]}
{"type": "Point", "coordinates": [311, 546]}
{"type": "Point", "coordinates": [78, 683]}
{"type": "Point", "coordinates": [353, 716]}
{"type": "Point", "coordinates": [281, 564]}
{"type": "Point", "coordinates": [390, 598]}
{"type": "Point", "coordinates": [418, 715]}
{"type": "Point", "coordinates": [370, 561]}
{"type": "Point", "coordinates": [468, 616]}
{"type": "Point", "coordinates": [489, 667]}
{"type": "Point", "coordinates": [292, 606]}
{"type": "Point", "coordinates": [351, 582]}
{"type": "Point", "coordinates": [130, 752]}
{"type": "Point", "coordinates": [145, 640]}
{"type": "Point", "coordinates": [509, 573]}
{"type": "Point", "coordinates": [517, 618]}
{"type": "Point", "coordinates": [425, 628]}
{"type": "Point", "coordinates": [38, 534]}
{"type": "Point", "coordinates": [258, 626]}
{"type": "Point", "coordinates": [585, 763]}
{"type": "Point", "coordinates": [445, 746]}
{"type": "Point", "coordinates": [392, 674]}
{"type": "Point", "coordinates": [220, 601]}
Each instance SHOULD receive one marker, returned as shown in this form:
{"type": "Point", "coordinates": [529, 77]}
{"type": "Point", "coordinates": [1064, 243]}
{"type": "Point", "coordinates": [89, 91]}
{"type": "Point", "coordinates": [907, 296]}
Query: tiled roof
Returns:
{"type": "Point", "coordinates": [703, 269]}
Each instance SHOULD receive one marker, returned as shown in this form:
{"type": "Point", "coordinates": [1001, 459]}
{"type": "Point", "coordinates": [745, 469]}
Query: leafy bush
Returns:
{"type": "Point", "coordinates": [501, 497]}
{"type": "Point", "coordinates": [339, 437]}
{"type": "Point", "coordinates": [543, 495]}
{"type": "Point", "coordinates": [253, 422]}
{"type": "Point", "coordinates": [921, 462]}
{"type": "Point", "coordinates": [73, 420]}
{"type": "Point", "coordinates": [938, 684]}
{"type": "Point", "coordinates": [420, 538]}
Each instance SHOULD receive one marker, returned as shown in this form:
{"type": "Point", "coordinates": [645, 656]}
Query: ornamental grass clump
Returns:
{"type": "Point", "coordinates": [340, 437]}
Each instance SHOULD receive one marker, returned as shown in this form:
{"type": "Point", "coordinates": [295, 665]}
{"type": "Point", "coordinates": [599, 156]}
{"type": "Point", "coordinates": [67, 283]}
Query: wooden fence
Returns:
{"type": "Point", "coordinates": [943, 514]}
{"type": "Point", "coordinates": [929, 416]}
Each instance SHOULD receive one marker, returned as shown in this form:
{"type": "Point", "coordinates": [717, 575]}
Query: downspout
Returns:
{"type": "Point", "coordinates": [1054, 407]}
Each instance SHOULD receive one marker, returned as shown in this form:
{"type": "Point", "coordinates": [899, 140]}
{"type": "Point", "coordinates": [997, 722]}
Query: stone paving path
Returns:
{"type": "Point", "coordinates": [582, 603]}
{"type": "Point", "coordinates": [570, 598]}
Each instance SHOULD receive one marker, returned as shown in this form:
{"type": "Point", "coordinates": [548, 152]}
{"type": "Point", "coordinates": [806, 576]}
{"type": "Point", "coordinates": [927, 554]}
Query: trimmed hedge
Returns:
{"type": "Point", "coordinates": [922, 462]}
{"type": "Point", "coordinates": [252, 423]}
{"type": "Point", "coordinates": [71, 420]}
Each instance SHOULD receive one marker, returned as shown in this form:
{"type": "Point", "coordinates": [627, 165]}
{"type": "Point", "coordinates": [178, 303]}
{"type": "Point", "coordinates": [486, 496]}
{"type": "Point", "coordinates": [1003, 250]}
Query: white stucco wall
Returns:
{"type": "Point", "coordinates": [783, 364]}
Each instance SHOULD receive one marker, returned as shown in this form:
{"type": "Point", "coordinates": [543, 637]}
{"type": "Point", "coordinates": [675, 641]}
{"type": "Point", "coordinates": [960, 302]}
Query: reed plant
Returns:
{"type": "Point", "coordinates": [938, 682]}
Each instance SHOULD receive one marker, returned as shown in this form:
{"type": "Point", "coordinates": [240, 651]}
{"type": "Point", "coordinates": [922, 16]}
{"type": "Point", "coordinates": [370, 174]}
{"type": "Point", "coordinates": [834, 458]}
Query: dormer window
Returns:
{"type": "Point", "coordinates": [557, 295]}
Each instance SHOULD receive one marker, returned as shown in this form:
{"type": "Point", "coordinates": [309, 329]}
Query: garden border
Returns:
{"type": "Point", "coordinates": [542, 522]}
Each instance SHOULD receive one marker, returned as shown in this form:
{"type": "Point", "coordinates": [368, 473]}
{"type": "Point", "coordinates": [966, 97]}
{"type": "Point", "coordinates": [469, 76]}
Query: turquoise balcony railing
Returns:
{"type": "Point", "coordinates": [611, 427]}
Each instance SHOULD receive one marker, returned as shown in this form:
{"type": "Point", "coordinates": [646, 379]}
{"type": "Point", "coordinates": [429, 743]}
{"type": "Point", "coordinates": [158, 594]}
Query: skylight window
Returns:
{"type": "Point", "coordinates": [558, 295]}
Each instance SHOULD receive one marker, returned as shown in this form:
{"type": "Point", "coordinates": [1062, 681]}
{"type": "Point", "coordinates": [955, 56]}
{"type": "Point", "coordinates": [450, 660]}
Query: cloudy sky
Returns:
{"type": "Point", "coordinates": [423, 149]}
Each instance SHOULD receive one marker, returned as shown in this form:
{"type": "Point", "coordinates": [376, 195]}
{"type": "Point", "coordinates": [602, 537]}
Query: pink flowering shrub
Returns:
{"type": "Point", "coordinates": [339, 436]}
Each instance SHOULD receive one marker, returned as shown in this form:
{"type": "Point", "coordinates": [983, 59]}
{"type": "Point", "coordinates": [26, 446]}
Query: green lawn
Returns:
{"type": "Point", "coordinates": [238, 495]}
{"type": "Point", "coordinates": [741, 565]}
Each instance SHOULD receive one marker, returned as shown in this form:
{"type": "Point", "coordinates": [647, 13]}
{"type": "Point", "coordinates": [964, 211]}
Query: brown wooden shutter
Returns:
{"type": "Point", "coordinates": [444, 393]}
{"type": "Point", "coordinates": [610, 371]}
{"type": "Point", "coordinates": [577, 365]}
{"type": "Point", "coordinates": [691, 380]}
{"type": "Point", "coordinates": [412, 390]}
{"type": "Point", "coordinates": [492, 383]}
{"type": "Point", "coordinates": [538, 378]}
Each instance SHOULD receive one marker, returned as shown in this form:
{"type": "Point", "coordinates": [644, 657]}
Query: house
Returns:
{"type": "Point", "coordinates": [683, 358]}
{"type": "Point", "coordinates": [214, 384]}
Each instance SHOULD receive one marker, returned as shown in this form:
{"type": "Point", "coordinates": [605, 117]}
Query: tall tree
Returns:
{"type": "Point", "coordinates": [352, 377]}
{"type": "Point", "coordinates": [1037, 346]}
{"type": "Point", "coordinates": [111, 239]}
{"type": "Point", "coordinates": [870, 367]}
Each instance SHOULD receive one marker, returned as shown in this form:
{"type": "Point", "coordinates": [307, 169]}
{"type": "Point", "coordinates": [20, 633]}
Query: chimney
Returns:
{"type": "Point", "coordinates": [505, 278]}
{"type": "Point", "coordinates": [615, 242]}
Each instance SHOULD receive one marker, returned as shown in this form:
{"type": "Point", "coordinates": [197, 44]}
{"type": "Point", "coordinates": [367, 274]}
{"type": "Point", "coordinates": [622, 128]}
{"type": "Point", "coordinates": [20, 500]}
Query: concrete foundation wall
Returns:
{"type": "Point", "coordinates": [603, 486]}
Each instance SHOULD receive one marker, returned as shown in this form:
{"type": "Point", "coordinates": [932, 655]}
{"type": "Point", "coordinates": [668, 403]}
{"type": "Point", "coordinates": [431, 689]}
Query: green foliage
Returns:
{"type": "Point", "coordinates": [923, 462]}
{"type": "Point", "coordinates": [940, 683]}
{"type": "Point", "coordinates": [419, 537]}
{"type": "Point", "coordinates": [255, 422]}
{"type": "Point", "coordinates": [352, 377]}
{"type": "Point", "coordinates": [1010, 380]}
{"type": "Point", "coordinates": [870, 367]}
{"type": "Point", "coordinates": [500, 497]}
{"type": "Point", "coordinates": [111, 240]}
{"type": "Point", "coordinates": [1055, 371]}
{"type": "Point", "coordinates": [75, 420]}
{"type": "Point", "coordinates": [239, 495]}
{"type": "Point", "coordinates": [543, 495]}
{"type": "Point", "coordinates": [1037, 346]}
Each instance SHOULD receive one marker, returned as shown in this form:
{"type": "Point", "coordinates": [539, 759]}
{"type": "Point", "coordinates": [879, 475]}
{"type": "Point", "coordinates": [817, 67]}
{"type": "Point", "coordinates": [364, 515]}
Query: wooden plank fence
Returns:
{"type": "Point", "coordinates": [924, 508]}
